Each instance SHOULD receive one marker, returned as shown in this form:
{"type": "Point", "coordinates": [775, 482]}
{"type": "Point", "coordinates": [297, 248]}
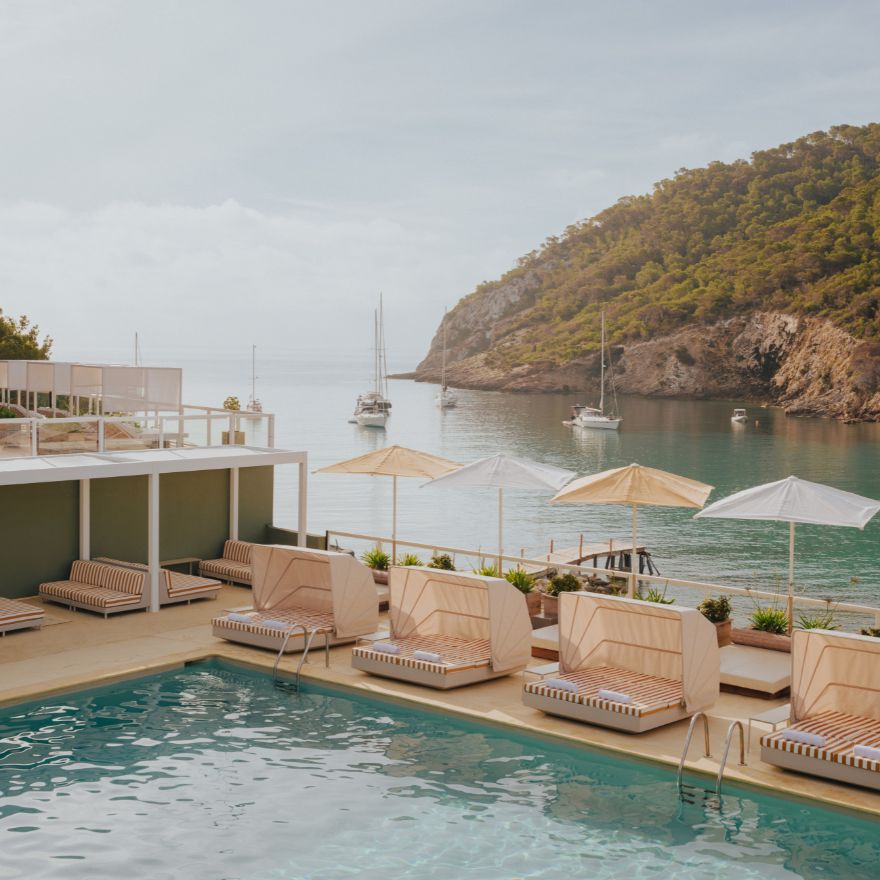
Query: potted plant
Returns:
{"type": "Point", "coordinates": [409, 559]}
{"type": "Point", "coordinates": [655, 595]}
{"type": "Point", "coordinates": [562, 583]}
{"type": "Point", "coordinates": [525, 583]}
{"type": "Point", "coordinates": [717, 611]}
{"type": "Point", "coordinates": [872, 631]}
{"type": "Point", "coordinates": [232, 404]}
{"type": "Point", "coordinates": [443, 561]}
{"type": "Point", "coordinates": [378, 560]}
{"type": "Point", "coordinates": [817, 620]}
{"type": "Point", "coordinates": [769, 629]}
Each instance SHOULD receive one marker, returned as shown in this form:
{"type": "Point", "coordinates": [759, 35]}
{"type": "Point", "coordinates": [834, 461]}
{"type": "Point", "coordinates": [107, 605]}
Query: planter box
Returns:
{"type": "Point", "coordinates": [533, 603]}
{"type": "Point", "coordinates": [237, 438]}
{"type": "Point", "coordinates": [756, 639]}
{"type": "Point", "coordinates": [723, 631]}
{"type": "Point", "coordinates": [549, 605]}
{"type": "Point", "coordinates": [379, 577]}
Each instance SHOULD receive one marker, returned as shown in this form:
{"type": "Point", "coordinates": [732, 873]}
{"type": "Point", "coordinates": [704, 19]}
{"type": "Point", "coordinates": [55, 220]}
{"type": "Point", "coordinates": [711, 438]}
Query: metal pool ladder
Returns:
{"type": "Point", "coordinates": [742, 753]}
{"type": "Point", "coordinates": [308, 638]}
{"type": "Point", "coordinates": [691, 789]}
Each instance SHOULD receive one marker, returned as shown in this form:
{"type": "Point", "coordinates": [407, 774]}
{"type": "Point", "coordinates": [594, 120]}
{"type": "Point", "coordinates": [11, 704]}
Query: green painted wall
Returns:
{"type": "Point", "coordinates": [39, 524]}
{"type": "Point", "coordinates": [39, 535]}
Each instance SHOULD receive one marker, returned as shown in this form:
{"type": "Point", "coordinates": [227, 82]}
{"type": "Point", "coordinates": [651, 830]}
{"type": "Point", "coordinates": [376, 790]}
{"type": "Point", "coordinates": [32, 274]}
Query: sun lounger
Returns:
{"type": "Point", "coordinates": [19, 615]}
{"type": "Point", "coordinates": [628, 664]}
{"type": "Point", "coordinates": [96, 586]}
{"type": "Point", "coordinates": [174, 586]}
{"type": "Point", "coordinates": [835, 709]}
{"type": "Point", "coordinates": [295, 588]}
{"type": "Point", "coordinates": [449, 629]}
{"type": "Point", "coordinates": [234, 566]}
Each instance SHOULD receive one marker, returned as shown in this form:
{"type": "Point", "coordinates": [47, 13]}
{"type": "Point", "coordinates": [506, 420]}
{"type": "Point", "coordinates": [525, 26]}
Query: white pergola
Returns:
{"type": "Point", "coordinates": [152, 463]}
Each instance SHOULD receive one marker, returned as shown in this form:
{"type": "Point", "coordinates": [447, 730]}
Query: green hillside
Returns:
{"type": "Point", "coordinates": [796, 229]}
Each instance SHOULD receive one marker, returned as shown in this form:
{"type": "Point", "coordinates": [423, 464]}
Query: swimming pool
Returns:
{"type": "Point", "coordinates": [210, 772]}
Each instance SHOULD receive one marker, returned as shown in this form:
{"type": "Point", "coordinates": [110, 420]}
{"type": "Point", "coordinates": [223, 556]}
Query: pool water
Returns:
{"type": "Point", "coordinates": [210, 772]}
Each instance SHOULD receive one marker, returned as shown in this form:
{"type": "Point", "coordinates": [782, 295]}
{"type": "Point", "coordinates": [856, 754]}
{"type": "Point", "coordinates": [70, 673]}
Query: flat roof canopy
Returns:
{"type": "Point", "coordinates": [91, 466]}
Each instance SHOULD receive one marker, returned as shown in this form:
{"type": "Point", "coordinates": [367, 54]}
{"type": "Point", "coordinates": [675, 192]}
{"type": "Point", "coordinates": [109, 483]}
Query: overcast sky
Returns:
{"type": "Point", "coordinates": [235, 172]}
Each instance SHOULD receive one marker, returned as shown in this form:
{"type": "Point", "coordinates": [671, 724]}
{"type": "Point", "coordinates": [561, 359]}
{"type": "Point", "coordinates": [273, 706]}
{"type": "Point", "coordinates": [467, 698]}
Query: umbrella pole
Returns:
{"type": "Point", "coordinates": [633, 554]}
{"type": "Point", "coordinates": [790, 577]}
{"type": "Point", "coordinates": [500, 530]}
{"type": "Point", "coordinates": [394, 521]}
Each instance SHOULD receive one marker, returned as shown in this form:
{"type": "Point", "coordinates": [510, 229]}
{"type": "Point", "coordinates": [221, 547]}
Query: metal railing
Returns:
{"type": "Point", "coordinates": [34, 436]}
{"type": "Point", "coordinates": [480, 557]}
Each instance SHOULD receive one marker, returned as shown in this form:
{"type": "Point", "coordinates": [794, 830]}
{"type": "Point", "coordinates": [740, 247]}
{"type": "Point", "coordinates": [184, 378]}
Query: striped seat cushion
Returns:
{"type": "Point", "coordinates": [321, 620]}
{"type": "Point", "coordinates": [650, 693]}
{"type": "Point", "coordinates": [17, 612]}
{"type": "Point", "coordinates": [842, 733]}
{"type": "Point", "coordinates": [180, 584]}
{"type": "Point", "coordinates": [112, 577]}
{"type": "Point", "coordinates": [99, 597]}
{"type": "Point", "coordinates": [238, 551]}
{"type": "Point", "coordinates": [226, 570]}
{"type": "Point", "coordinates": [458, 654]}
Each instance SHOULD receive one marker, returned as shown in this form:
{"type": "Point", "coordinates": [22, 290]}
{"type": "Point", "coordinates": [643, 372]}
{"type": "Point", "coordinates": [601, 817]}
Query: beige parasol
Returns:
{"type": "Point", "coordinates": [394, 462]}
{"type": "Point", "coordinates": [635, 485]}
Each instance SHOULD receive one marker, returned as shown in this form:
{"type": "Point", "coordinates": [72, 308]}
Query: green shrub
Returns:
{"type": "Point", "coordinates": [818, 620]}
{"type": "Point", "coordinates": [655, 595]}
{"type": "Point", "coordinates": [715, 610]}
{"type": "Point", "coordinates": [442, 560]}
{"type": "Point", "coordinates": [873, 631]}
{"type": "Point", "coordinates": [489, 571]}
{"type": "Point", "coordinates": [770, 620]}
{"type": "Point", "coordinates": [376, 558]}
{"type": "Point", "coordinates": [7, 413]}
{"type": "Point", "coordinates": [522, 580]}
{"type": "Point", "coordinates": [409, 559]}
{"type": "Point", "coordinates": [563, 583]}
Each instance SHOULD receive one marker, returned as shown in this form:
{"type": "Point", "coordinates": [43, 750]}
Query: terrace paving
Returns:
{"type": "Point", "coordinates": [78, 649]}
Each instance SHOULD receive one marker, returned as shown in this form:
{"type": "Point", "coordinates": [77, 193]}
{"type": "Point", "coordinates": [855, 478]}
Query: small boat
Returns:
{"type": "Point", "coordinates": [739, 416]}
{"type": "Point", "coordinates": [445, 398]}
{"type": "Point", "coordinates": [583, 416]}
{"type": "Point", "coordinates": [373, 409]}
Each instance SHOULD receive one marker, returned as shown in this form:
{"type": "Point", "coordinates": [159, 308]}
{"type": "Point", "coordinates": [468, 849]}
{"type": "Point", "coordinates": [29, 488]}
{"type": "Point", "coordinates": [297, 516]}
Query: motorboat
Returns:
{"type": "Point", "coordinates": [583, 416]}
{"type": "Point", "coordinates": [739, 416]}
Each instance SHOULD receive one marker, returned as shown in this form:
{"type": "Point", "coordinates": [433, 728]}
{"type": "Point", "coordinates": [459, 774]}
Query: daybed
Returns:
{"type": "Point", "coordinates": [19, 615]}
{"type": "Point", "coordinates": [174, 586]}
{"type": "Point", "coordinates": [628, 664]}
{"type": "Point", "coordinates": [449, 629]}
{"type": "Point", "coordinates": [835, 709]}
{"type": "Point", "coordinates": [96, 586]}
{"type": "Point", "coordinates": [293, 587]}
{"type": "Point", "coordinates": [234, 566]}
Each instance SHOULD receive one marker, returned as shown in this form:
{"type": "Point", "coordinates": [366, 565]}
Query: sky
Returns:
{"type": "Point", "coordinates": [214, 174]}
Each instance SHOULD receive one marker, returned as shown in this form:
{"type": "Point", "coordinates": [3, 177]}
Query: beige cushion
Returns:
{"type": "Point", "coordinates": [755, 669]}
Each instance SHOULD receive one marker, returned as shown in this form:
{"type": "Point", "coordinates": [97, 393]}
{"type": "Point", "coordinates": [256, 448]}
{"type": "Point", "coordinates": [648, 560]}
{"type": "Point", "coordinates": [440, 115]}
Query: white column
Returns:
{"type": "Point", "coordinates": [233, 504]}
{"type": "Point", "coordinates": [153, 540]}
{"type": "Point", "coordinates": [301, 520]}
{"type": "Point", "coordinates": [85, 519]}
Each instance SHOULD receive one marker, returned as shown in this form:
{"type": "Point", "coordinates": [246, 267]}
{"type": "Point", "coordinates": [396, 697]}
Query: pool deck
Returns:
{"type": "Point", "coordinates": [79, 649]}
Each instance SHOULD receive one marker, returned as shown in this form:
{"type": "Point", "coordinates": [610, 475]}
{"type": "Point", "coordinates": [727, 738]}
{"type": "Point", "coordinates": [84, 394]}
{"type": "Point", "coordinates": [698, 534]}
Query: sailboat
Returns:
{"type": "Point", "coordinates": [445, 398]}
{"type": "Point", "coordinates": [254, 404]}
{"type": "Point", "coordinates": [594, 417]}
{"type": "Point", "coordinates": [373, 409]}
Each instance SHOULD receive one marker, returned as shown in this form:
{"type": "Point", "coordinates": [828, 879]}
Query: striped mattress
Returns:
{"type": "Point", "coordinates": [842, 733]}
{"type": "Point", "coordinates": [12, 613]}
{"type": "Point", "coordinates": [319, 620]}
{"type": "Point", "coordinates": [177, 583]}
{"type": "Point", "coordinates": [650, 693]}
{"type": "Point", "coordinates": [458, 654]}
{"type": "Point", "coordinates": [227, 569]}
{"type": "Point", "coordinates": [100, 597]}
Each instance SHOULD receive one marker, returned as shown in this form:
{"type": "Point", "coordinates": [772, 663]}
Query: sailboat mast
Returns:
{"type": "Point", "coordinates": [253, 372]}
{"type": "Point", "coordinates": [443, 372]}
{"type": "Point", "coordinates": [376, 350]}
{"type": "Point", "coordinates": [602, 361]}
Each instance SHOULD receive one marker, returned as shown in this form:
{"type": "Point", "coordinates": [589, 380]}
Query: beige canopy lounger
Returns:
{"type": "Point", "coordinates": [449, 629]}
{"type": "Point", "coordinates": [174, 586]}
{"type": "Point", "coordinates": [835, 709]}
{"type": "Point", "coordinates": [628, 664]}
{"type": "Point", "coordinates": [19, 615]}
{"type": "Point", "coordinates": [295, 588]}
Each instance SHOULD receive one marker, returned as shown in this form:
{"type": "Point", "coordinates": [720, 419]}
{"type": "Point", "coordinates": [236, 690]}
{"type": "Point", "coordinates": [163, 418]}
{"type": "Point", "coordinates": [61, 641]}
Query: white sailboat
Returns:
{"type": "Point", "coordinates": [254, 404]}
{"type": "Point", "coordinates": [583, 416]}
{"type": "Point", "coordinates": [445, 398]}
{"type": "Point", "coordinates": [373, 409]}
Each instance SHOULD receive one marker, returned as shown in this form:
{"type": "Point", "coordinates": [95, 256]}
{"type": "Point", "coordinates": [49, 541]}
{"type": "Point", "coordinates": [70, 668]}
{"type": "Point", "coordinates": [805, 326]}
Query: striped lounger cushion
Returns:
{"type": "Point", "coordinates": [178, 584]}
{"type": "Point", "coordinates": [842, 733]}
{"type": "Point", "coordinates": [103, 586]}
{"type": "Point", "coordinates": [12, 612]}
{"type": "Point", "coordinates": [458, 654]}
{"type": "Point", "coordinates": [294, 616]}
{"type": "Point", "coordinates": [650, 693]}
{"type": "Point", "coordinates": [223, 568]}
